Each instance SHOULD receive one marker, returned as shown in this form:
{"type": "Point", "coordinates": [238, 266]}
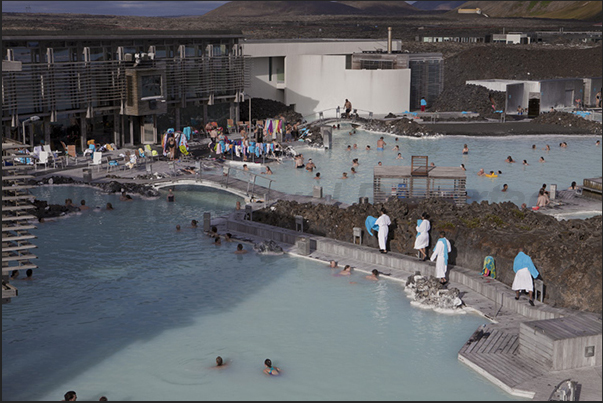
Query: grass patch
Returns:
{"type": "Point", "coordinates": [472, 223]}
{"type": "Point", "coordinates": [447, 225]}
{"type": "Point", "coordinates": [519, 214]}
{"type": "Point", "coordinates": [495, 219]}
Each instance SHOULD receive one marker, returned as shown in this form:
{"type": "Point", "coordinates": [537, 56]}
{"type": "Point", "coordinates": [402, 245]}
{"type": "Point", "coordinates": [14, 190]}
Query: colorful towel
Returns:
{"type": "Point", "coordinates": [489, 269]}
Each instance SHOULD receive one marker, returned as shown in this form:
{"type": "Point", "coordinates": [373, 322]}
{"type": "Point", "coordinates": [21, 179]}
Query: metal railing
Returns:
{"type": "Point", "coordinates": [249, 177]}
{"type": "Point", "coordinates": [337, 113]}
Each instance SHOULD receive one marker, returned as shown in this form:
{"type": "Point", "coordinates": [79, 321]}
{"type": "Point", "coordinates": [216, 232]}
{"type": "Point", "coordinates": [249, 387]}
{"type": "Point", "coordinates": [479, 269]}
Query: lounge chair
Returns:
{"type": "Point", "coordinates": [97, 160]}
{"type": "Point", "coordinates": [43, 157]}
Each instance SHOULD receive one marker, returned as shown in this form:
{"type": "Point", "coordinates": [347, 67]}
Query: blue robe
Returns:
{"type": "Point", "coordinates": [522, 260]}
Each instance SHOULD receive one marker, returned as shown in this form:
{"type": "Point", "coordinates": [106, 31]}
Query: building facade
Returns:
{"type": "Point", "coordinates": [317, 75]}
{"type": "Point", "coordinates": [119, 87]}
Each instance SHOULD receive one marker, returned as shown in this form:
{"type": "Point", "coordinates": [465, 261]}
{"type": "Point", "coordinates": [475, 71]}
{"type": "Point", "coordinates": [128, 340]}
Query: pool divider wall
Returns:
{"type": "Point", "coordinates": [494, 290]}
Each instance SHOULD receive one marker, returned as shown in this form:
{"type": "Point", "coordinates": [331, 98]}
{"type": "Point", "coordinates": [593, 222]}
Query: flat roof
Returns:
{"type": "Point", "coordinates": [117, 34]}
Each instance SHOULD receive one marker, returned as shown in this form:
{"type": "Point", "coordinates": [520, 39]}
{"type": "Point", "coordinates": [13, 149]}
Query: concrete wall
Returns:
{"type": "Point", "coordinates": [591, 87]}
{"type": "Point", "coordinates": [494, 84]}
{"type": "Point", "coordinates": [560, 93]}
{"type": "Point", "coordinates": [317, 83]}
{"type": "Point", "coordinates": [519, 94]}
{"type": "Point", "coordinates": [260, 85]}
{"type": "Point", "coordinates": [316, 78]}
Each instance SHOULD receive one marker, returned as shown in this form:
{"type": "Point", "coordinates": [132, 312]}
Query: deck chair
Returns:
{"type": "Point", "coordinates": [149, 152]}
{"type": "Point", "coordinates": [53, 156]}
{"type": "Point", "coordinates": [43, 157]}
{"type": "Point", "coordinates": [230, 126]}
{"type": "Point", "coordinates": [97, 160]}
{"type": "Point", "coordinates": [71, 153]}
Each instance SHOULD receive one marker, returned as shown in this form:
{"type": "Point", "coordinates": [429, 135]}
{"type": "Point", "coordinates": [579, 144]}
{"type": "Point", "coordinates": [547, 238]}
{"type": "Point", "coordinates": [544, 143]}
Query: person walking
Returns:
{"type": "Point", "coordinates": [525, 272]}
{"type": "Point", "coordinates": [383, 222]}
{"type": "Point", "coordinates": [422, 240]}
{"type": "Point", "coordinates": [423, 104]}
{"type": "Point", "coordinates": [440, 252]}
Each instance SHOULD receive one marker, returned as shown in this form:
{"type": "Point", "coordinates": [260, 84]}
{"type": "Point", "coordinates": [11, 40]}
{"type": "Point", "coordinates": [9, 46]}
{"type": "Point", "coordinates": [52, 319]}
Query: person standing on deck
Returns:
{"type": "Point", "coordinates": [525, 272]}
{"type": "Point", "coordinates": [423, 104]}
{"type": "Point", "coordinates": [441, 251]}
{"type": "Point", "coordinates": [348, 108]}
{"type": "Point", "coordinates": [383, 222]}
{"type": "Point", "coordinates": [422, 241]}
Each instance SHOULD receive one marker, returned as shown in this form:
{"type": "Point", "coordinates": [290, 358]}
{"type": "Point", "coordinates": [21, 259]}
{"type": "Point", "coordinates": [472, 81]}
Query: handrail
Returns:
{"type": "Point", "coordinates": [338, 110]}
{"type": "Point", "coordinates": [251, 180]}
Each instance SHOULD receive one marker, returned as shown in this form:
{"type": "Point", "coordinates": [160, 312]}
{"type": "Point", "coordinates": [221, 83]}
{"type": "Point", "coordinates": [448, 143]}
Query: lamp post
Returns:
{"type": "Point", "coordinates": [29, 120]}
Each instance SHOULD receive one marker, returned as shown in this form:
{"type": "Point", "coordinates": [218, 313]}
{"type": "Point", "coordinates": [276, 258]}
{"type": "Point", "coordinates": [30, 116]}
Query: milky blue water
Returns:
{"type": "Point", "coordinates": [581, 159]}
{"type": "Point", "coordinates": [125, 306]}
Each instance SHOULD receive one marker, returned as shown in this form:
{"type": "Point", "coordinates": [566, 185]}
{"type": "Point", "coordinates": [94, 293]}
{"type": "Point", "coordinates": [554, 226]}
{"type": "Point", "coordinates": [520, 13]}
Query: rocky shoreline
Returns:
{"type": "Point", "coordinates": [567, 253]}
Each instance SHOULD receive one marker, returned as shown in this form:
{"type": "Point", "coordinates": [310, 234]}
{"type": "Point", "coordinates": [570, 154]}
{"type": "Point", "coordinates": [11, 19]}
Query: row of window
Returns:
{"type": "Point", "coordinates": [36, 52]}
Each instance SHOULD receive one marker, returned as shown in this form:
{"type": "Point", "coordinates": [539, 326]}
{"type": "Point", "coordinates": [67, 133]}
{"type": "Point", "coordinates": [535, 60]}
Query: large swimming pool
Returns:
{"type": "Point", "coordinates": [125, 306]}
{"type": "Point", "coordinates": [579, 160]}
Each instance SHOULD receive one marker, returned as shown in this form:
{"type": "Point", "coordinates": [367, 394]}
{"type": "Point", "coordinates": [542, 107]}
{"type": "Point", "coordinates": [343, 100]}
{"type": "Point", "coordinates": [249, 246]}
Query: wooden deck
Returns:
{"type": "Point", "coordinates": [496, 356]}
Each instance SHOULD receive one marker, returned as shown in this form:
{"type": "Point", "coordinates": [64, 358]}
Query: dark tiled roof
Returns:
{"type": "Point", "coordinates": [118, 34]}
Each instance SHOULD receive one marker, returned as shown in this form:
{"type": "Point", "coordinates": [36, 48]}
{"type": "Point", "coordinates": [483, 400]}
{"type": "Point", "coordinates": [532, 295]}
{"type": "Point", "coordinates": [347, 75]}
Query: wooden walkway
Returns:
{"type": "Point", "coordinates": [493, 351]}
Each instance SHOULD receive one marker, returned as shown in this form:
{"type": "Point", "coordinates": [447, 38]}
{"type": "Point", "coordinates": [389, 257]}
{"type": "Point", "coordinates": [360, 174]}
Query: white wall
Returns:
{"type": "Point", "coordinates": [326, 47]}
{"type": "Point", "coordinates": [494, 84]}
{"type": "Point", "coordinates": [317, 83]}
{"type": "Point", "coordinates": [260, 87]}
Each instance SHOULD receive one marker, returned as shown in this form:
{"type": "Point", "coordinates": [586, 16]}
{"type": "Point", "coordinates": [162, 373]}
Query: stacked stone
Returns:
{"type": "Point", "coordinates": [428, 292]}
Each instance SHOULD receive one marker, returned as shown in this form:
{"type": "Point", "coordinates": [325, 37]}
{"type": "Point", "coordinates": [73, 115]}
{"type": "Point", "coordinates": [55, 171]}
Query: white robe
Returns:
{"type": "Point", "coordinates": [422, 240]}
{"type": "Point", "coordinates": [383, 222]}
{"type": "Point", "coordinates": [438, 253]}
{"type": "Point", "coordinates": [523, 280]}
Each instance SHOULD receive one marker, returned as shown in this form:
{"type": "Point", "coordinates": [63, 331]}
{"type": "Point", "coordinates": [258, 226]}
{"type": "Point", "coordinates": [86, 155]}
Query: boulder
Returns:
{"type": "Point", "coordinates": [268, 247]}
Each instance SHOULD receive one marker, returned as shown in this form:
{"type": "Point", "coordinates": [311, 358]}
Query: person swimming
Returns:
{"type": "Point", "coordinates": [271, 370]}
{"type": "Point", "coordinates": [465, 149]}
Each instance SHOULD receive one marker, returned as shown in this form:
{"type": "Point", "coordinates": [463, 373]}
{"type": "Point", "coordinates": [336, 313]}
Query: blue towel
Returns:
{"type": "Point", "coordinates": [522, 260]}
{"type": "Point", "coordinates": [443, 240]}
{"type": "Point", "coordinates": [187, 132]}
{"type": "Point", "coordinates": [419, 221]}
{"type": "Point", "coordinates": [370, 225]}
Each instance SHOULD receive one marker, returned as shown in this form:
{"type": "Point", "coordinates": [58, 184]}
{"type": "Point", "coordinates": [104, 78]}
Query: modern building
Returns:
{"type": "Point", "coordinates": [122, 87]}
{"type": "Point", "coordinates": [318, 75]}
{"type": "Point", "coordinates": [129, 87]}
{"type": "Point", "coordinates": [542, 95]}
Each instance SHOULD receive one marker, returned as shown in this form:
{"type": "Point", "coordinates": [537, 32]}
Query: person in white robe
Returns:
{"type": "Point", "coordinates": [383, 222]}
{"type": "Point", "coordinates": [525, 272]}
{"type": "Point", "coordinates": [440, 255]}
{"type": "Point", "coordinates": [422, 241]}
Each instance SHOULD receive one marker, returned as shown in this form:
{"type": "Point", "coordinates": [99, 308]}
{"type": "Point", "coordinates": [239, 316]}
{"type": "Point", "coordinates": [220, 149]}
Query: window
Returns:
{"type": "Point", "coordinates": [269, 69]}
{"type": "Point", "coordinates": [130, 90]}
{"type": "Point", "coordinates": [151, 86]}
